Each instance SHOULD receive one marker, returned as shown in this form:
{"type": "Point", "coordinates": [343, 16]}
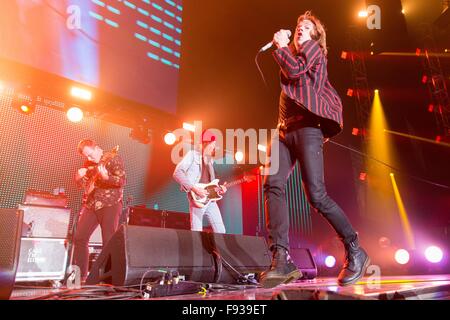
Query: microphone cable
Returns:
{"type": "Point", "coordinates": [259, 69]}
{"type": "Point", "coordinates": [391, 167]}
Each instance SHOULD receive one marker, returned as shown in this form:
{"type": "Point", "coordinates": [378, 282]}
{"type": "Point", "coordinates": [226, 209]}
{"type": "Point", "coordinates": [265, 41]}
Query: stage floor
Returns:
{"type": "Point", "coordinates": [424, 287]}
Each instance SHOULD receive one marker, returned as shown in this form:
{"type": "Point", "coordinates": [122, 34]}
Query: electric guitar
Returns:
{"type": "Point", "coordinates": [90, 185]}
{"type": "Point", "coordinates": [214, 191]}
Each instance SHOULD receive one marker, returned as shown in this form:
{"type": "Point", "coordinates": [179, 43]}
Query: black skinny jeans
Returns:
{"type": "Point", "coordinates": [304, 145]}
{"type": "Point", "coordinates": [108, 218]}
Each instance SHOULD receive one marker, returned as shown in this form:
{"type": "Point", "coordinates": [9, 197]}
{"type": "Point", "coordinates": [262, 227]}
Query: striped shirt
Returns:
{"type": "Point", "coordinates": [304, 79]}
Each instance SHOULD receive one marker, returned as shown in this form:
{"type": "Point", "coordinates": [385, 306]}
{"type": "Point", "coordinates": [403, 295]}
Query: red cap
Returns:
{"type": "Point", "coordinates": [207, 136]}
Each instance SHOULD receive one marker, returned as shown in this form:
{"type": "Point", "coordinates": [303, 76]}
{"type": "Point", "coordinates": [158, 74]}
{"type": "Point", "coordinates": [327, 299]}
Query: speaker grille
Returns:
{"type": "Point", "coordinates": [9, 227]}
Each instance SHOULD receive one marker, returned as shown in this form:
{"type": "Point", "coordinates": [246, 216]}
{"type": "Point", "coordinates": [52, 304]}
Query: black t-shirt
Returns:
{"type": "Point", "coordinates": [205, 177]}
{"type": "Point", "coordinates": [294, 115]}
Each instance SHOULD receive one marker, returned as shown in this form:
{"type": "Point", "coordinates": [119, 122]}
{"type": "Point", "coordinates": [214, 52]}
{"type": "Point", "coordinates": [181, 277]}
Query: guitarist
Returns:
{"type": "Point", "coordinates": [104, 173]}
{"type": "Point", "coordinates": [197, 167]}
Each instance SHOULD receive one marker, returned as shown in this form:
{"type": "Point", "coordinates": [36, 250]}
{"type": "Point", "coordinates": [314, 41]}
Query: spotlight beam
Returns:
{"type": "Point", "coordinates": [417, 138]}
{"type": "Point", "coordinates": [413, 54]}
{"type": "Point", "coordinates": [403, 214]}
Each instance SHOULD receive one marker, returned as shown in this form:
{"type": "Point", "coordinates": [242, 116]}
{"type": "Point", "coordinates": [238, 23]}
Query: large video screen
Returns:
{"type": "Point", "coordinates": [130, 48]}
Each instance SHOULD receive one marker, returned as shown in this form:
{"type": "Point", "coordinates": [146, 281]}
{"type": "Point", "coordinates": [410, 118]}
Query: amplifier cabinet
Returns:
{"type": "Point", "coordinates": [159, 218]}
{"type": "Point", "coordinates": [45, 222]}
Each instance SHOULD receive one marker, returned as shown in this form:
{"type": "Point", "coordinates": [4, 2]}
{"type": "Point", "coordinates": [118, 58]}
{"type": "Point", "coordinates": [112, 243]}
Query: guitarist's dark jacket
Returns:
{"type": "Point", "coordinates": [107, 192]}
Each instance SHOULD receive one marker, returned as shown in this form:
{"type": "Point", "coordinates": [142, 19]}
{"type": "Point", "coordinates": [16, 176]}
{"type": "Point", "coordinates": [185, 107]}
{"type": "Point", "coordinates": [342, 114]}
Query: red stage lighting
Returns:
{"type": "Point", "coordinates": [430, 107]}
{"type": "Point", "coordinates": [438, 138]}
{"type": "Point", "coordinates": [344, 55]}
{"type": "Point", "coordinates": [355, 131]}
{"type": "Point", "coordinates": [362, 176]}
{"type": "Point", "coordinates": [350, 92]}
{"type": "Point", "coordinates": [424, 79]}
{"type": "Point", "coordinates": [418, 52]}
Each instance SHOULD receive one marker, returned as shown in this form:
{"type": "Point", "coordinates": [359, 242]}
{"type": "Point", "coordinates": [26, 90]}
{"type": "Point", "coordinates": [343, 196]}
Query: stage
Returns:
{"type": "Point", "coordinates": [174, 150]}
{"type": "Point", "coordinates": [423, 287]}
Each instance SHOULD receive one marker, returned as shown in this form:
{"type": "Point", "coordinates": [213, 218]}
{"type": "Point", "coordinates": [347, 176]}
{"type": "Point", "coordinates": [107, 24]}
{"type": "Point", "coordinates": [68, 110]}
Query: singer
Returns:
{"type": "Point", "coordinates": [310, 111]}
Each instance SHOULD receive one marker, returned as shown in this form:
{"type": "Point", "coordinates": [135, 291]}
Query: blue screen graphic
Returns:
{"type": "Point", "coordinates": [127, 48]}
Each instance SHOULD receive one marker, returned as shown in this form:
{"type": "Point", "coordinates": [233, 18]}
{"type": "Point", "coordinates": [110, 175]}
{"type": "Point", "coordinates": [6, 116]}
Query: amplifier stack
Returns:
{"type": "Point", "coordinates": [44, 246]}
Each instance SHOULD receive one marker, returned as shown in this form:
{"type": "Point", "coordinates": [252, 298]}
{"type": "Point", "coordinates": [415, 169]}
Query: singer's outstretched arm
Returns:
{"type": "Point", "coordinates": [294, 66]}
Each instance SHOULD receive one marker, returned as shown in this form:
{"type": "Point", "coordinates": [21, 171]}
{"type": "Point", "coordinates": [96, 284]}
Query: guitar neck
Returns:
{"type": "Point", "coordinates": [235, 182]}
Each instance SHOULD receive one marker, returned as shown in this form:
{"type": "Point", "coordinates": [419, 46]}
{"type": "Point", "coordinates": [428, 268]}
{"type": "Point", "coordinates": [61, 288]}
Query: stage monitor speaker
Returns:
{"type": "Point", "coordinates": [304, 260]}
{"type": "Point", "coordinates": [135, 253]}
{"type": "Point", "coordinates": [10, 233]}
{"type": "Point", "coordinates": [238, 255]}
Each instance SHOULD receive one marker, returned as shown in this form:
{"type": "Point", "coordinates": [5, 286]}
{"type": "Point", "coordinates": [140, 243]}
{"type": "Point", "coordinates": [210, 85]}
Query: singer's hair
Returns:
{"type": "Point", "coordinates": [85, 143]}
{"type": "Point", "coordinates": [319, 34]}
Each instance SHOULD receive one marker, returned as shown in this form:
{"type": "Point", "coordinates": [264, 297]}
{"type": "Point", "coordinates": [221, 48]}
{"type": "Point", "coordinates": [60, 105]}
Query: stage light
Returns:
{"type": "Point", "coordinates": [75, 114]}
{"type": "Point", "coordinates": [262, 148]}
{"type": "Point", "coordinates": [25, 109]}
{"type": "Point", "coordinates": [188, 127]}
{"type": "Point", "coordinates": [170, 138]}
{"type": "Point", "coordinates": [403, 11]}
{"type": "Point", "coordinates": [418, 51]}
{"type": "Point", "coordinates": [438, 139]}
{"type": "Point", "coordinates": [350, 92]}
{"type": "Point", "coordinates": [362, 176]}
{"type": "Point", "coordinates": [239, 156]}
{"type": "Point", "coordinates": [376, 91]}
{"type": "Point", "coordinates": [424, 79]}
{"type": "Point", "coordinates": [430, 107]}
{"type": "Point", "coordinates": [344, 55]}
{"type": "Point", "coordinates": [81, 93]}
{"type": "Point", "coordinates": [363, 14]}
{"type": "Point", "coordinates": [24, 106]}
{"type": "Point", "coordinates": [402, 256]}
{"type": "Point", "coordinates": [384, 242]}
{"type": "Point", "coordinates": [434, 254]}
{"type": "Point", "coordinates": [402, 212]}
{"type": "Point", "coordinates": [330, 261]}
{"type": "Point", "coordinates": [355, 131]}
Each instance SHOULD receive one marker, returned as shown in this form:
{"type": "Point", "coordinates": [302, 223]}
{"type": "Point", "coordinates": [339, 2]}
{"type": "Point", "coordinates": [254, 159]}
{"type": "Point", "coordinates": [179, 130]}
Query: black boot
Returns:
{"type": "Point", "coordinates": [356, 263]}
{"type": "Point", "coordinates": [282, 270]}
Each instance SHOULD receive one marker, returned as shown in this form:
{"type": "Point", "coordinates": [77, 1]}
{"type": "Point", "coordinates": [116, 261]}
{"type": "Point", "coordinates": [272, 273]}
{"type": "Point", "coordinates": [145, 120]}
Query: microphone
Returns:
{"type": "Point", "coordinates": [270, 44]}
